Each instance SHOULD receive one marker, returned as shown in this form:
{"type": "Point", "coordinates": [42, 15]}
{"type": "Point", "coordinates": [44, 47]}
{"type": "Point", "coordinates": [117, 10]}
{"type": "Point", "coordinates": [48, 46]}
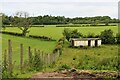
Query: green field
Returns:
{"type": "Point", "coordinates": [50, 31]}
{"type": "Point", "coordinates": [56, 32]}
{"type": "Point", "coordinates": [73, 57]}
{"type": "Point", "coordinates": [46, 46]}
{"type": "Point", "coordinates": [90, 58]}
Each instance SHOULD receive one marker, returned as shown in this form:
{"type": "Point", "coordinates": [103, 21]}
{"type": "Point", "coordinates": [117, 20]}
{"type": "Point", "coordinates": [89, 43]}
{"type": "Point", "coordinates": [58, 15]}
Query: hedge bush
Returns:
{"type": "Point", "coordinates": [42, 37]}
{"type": "Point", "coordinates": [37, 26]}
{"type": "Point", "coordinates": [107, 37]}
{"type": "Point", "coordinates": [12, 33]}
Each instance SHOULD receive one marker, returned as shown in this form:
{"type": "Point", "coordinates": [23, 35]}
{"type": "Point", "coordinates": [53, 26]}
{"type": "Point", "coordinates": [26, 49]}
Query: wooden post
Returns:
{"type": "Point", "coordinates": [48, 58]}
{"type": "Point", "coordinates": [5, 59]}
{"type": "Point", "coordinates": [58, 53]}
{"type": "Point", "coordinates": [21, 57]}
{"type": "Point", "coordinates": [51, 57]}
{"type": "Point", "coordinates": [54, 57]}
{"type": "Point", "coordinates": [29, 54]}
{"type": "Point", "coordinates": [10, 57]}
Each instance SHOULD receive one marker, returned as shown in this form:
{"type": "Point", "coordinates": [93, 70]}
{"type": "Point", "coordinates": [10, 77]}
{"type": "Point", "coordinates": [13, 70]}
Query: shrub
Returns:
{"type": "Point", "coordinates": [107, 37]}
{"type": "Point", "coordinates": [62, 39]}
{"type": "Point", "coordinates": [68, 33]}
{"type": "Point", "coordinates": [35, 62]}
{"type": "Point", "coordinates": [58, 48]}
{"type": "Point", "coordinates": [59, 45]}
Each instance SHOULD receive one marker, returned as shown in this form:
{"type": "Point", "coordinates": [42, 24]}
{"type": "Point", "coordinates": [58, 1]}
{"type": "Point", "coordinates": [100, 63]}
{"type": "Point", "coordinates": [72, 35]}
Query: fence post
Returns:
{"type": "Point", "coordinates": [30, 55]}
{"type": "Point", "coordinates": [10, 57]}
{"type": "Point", "coordinates": [48, 58]}
{"type": "Point", "coordinates": [5, 59]}
{"type": "Point", "coordinates": [21, 57]}
{"type": "Point", "coordinates": [51, 58]}
{"type": "Point", "coordinates": [58, 53]}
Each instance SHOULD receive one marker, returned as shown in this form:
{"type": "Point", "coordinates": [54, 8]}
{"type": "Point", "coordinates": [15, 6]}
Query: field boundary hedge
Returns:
{"type": "Point", "coordinates": [86, 25]}
{"type": "Point", "coordinates": [31, 26]}
{"type": "Point", "coordinates": [45, 38]}
{"type": "Point", "coordinates": [42, 37]}
{"type": "Point", "coordinates": [11, 33]}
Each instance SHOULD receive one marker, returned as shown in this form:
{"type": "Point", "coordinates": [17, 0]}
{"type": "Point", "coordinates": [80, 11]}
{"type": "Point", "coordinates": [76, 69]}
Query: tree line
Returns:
{"type": "Point", "coordinates": [23, 21]}
{"type": "Point", "coordinates": [54, 20]}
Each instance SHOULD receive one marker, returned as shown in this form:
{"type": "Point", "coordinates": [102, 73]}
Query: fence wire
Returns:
{"type": "Point", "coordinates": [36, 58]}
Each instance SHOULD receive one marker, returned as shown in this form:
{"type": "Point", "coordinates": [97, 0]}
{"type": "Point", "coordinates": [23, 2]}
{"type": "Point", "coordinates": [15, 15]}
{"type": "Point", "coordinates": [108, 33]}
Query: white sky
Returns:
{"type": "Point", "coordinates": [59, 0]}
{"type": "Point", "coordinates": [67, 8]}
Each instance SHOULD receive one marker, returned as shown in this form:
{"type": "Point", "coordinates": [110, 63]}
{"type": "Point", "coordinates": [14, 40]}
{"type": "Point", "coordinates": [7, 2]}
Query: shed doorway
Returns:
{"type": "Point", "coordinates": [72, 43]}
{"type": "Point", "coordinates": [96, 42]}
{"type": "Point", "coordinates": [89, 42]}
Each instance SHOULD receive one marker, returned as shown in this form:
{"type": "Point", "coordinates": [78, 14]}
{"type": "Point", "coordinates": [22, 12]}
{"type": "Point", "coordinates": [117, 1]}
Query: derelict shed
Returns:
{"type": "Point", "coordinates": [76, 42]}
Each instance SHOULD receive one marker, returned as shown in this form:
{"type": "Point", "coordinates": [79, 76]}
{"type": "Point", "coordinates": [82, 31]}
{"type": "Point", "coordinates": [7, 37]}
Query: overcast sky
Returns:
{"type": "Point", "coordinates": [67, 8]}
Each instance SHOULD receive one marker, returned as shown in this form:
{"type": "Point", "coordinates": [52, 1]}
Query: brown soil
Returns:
{"type": "Point", "coordinates": [77, 74]}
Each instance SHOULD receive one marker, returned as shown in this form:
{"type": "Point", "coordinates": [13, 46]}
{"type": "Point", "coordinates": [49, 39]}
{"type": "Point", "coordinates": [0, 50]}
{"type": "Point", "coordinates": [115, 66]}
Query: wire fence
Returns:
{"type": "Point", "coordinates": [36, 58]}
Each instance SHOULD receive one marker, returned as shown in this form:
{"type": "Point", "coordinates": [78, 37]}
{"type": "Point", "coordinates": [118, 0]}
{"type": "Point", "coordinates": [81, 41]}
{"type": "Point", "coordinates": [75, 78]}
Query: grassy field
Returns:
{"type": "Point", "coordinates": [34, 43]}
{"type": "Point", "coordinates": [85, 59]}
{"type": "Point", "coordinates": [56, 32]}
{"type": "Point", "coordinates": [50, 31]}
{"type": "Point", "coordinates": [90, 58]}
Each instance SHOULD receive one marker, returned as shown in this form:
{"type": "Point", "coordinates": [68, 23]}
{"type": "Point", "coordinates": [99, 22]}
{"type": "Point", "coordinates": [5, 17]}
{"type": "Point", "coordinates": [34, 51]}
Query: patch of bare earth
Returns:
{"type": "Point", "coordinates": [69, 75]}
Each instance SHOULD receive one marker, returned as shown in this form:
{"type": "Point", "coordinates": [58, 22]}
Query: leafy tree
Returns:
{"type": "Point", "coordinates": [23, 22]}
{"type": "Point", "coordinates": [67, 33]}
{"type": "Point", "coordinates": [107, 37]}
{"type": "Point", "coordinates": [75, 34]}
{"type": "Point", "coordinates": [1, 20]}
{"type": "Point", "coordinates": [5, 21]}
{"type": "Point", "coordinates": [71, 33]}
